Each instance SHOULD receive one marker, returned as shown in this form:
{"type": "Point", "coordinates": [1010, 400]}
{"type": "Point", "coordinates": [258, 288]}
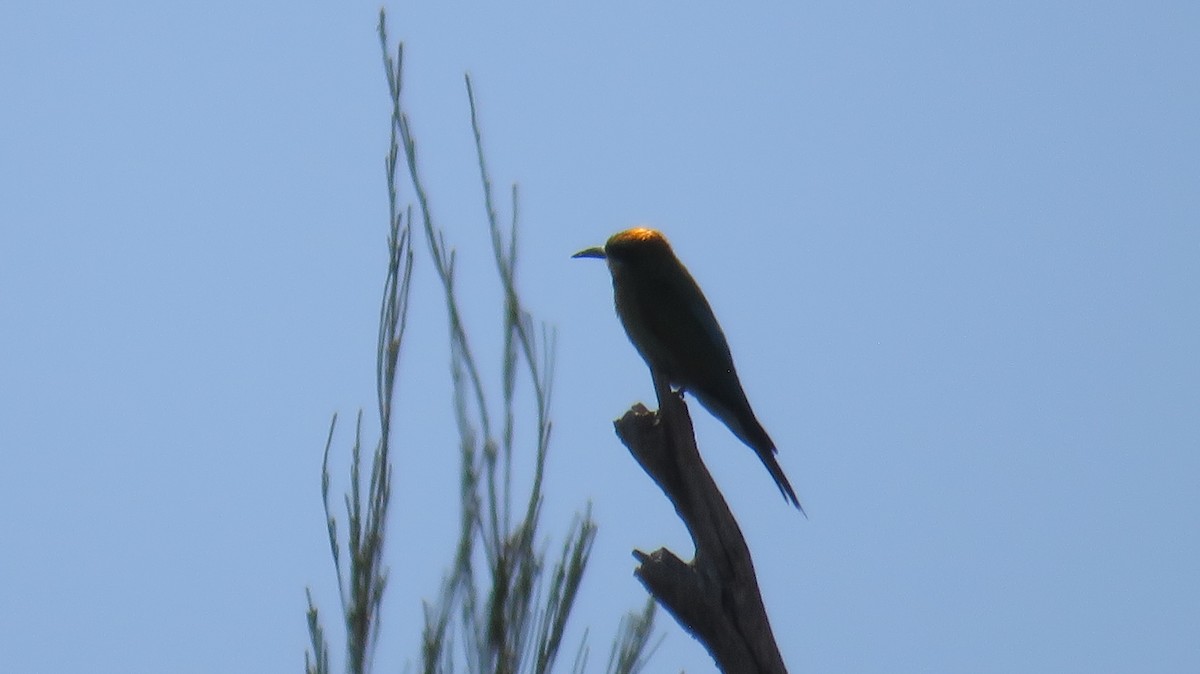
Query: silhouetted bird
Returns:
{"type": "Point", "coordinates": [670, 323]}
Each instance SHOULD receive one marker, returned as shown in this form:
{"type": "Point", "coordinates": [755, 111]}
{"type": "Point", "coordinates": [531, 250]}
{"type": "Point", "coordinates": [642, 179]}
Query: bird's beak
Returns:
{"type": "Point", "coordinates": [597, 252]}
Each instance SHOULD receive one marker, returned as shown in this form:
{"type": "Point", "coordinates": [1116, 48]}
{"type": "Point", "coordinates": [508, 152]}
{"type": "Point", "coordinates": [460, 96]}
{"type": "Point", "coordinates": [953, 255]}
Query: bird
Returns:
{"type": "Point", "coordinates": [673, 328]}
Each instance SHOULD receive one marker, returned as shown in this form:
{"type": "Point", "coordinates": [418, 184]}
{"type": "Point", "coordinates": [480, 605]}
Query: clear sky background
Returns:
{"type": "Point", "coordinates": [955, 249]}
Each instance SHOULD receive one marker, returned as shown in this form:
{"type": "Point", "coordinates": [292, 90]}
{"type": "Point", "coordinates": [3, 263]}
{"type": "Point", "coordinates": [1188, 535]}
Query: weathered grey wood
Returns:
{"type": "Point", "coordinates": [715, 597]}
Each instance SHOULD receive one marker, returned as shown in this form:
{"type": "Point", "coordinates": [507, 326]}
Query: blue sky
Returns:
{"type": "Point", "coordinates": [954, 249]}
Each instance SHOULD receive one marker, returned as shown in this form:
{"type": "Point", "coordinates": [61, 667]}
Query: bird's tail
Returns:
{"type": "Point", "coordinates": [749, 431]}
{"type": "Point", "coordinates": [767, 454]}
{"type": "Point", "coordinates": [741, 420]}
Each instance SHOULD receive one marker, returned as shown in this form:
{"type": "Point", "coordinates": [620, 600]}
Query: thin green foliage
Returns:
{"type": "Point", "coordinates": [505, 626]}
{"type": "Point", "coordinates": [503, 606]}
{"type": "Point", "coordinates": [317, 660]}
{"type": "Point", "coordinates": [363, 577]}
{"type": "Point", "coordinates": [631, 650]}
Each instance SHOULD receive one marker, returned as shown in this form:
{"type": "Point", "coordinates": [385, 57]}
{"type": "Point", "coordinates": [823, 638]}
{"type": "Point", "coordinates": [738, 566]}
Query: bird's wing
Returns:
{"type": "Point", "coordinates": [681, 323]}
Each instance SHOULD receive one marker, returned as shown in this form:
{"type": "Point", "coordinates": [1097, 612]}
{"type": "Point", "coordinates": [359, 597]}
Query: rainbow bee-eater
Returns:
{"type": "Point", "coordinates": [672, 326]}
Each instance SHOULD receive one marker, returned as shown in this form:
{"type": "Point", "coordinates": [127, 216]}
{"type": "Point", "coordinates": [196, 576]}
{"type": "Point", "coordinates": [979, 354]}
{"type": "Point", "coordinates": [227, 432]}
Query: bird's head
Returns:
{"type": "Point", "coordinates": [631, 247]}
